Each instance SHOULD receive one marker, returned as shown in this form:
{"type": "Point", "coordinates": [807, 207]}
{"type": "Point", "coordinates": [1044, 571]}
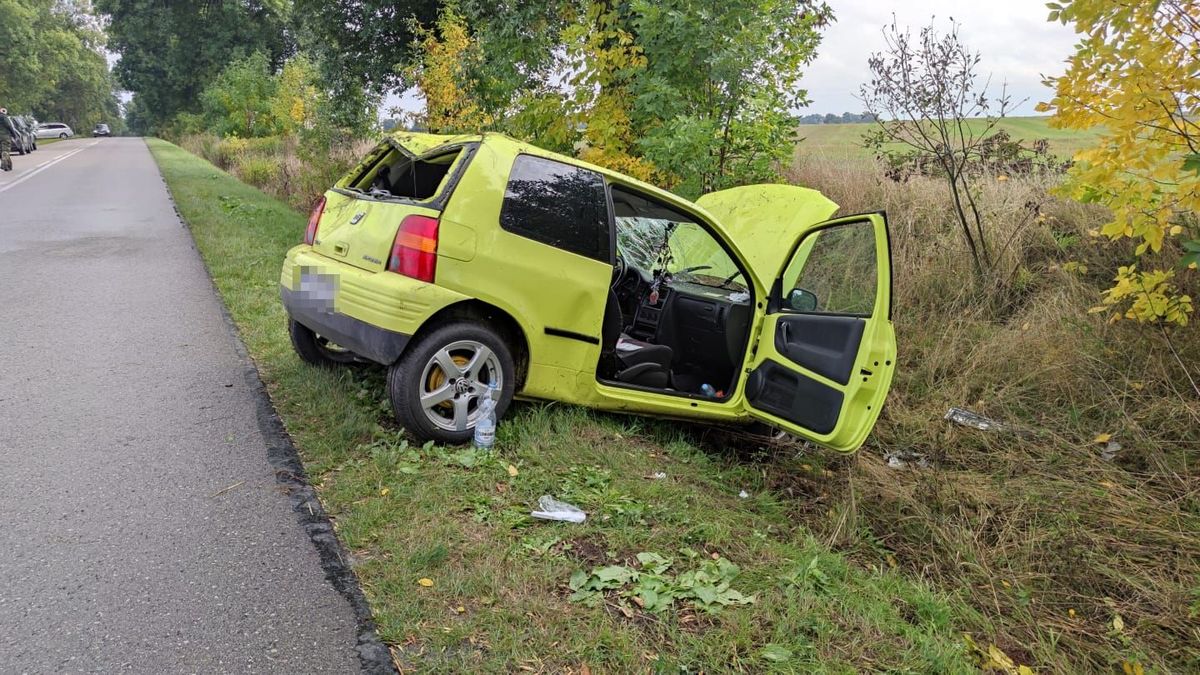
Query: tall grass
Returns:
{"type": "Point", "coordinates": [287, 168]}
{"type": "Point", "coordinates": [1046, 535]}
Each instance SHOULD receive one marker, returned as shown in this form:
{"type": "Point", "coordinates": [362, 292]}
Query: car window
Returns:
{"type": "Point", "coordinates": [652, 237]}
{"type": "Point", "coordinates": [557, 204]}
{"type": "Point", "coordinates": [833, 271]}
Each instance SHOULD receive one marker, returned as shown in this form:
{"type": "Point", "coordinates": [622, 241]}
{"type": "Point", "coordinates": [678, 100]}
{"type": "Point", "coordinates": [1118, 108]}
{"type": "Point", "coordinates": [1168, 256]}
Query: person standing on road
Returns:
{"type": "Point", "coordinates": [8, 134]}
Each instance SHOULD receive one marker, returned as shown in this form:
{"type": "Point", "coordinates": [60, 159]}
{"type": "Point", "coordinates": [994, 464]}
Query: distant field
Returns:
{"type": "Point", "coordinates": [845, 140]}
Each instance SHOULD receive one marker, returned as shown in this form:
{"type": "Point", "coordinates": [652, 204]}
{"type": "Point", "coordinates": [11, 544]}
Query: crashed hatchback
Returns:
{"type": "Point", "coordinates": [468, 261]}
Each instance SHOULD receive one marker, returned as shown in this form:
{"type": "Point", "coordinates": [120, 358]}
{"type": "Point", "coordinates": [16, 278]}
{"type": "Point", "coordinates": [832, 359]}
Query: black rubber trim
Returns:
{"type": "Point", "coordinates": [370, 342]}
{"type": "Point", "coordinates": [572, 335]}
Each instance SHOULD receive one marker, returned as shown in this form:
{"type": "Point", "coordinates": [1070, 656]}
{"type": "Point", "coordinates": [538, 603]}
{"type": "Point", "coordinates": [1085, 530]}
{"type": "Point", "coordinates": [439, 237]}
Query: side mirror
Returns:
{"type": "Point", "coordinates": [802, 300]}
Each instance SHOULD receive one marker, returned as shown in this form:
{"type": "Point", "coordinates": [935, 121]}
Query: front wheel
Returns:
{"type": "Point", "coordinates": [63, 136]}
{"type": "Point", "coordinates": [315, 349]}
{"type": "Point", "coordinates": [436, 386]}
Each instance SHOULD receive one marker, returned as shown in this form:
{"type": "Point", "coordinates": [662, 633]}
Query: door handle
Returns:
{"type": "Point", "coordinates": [783, 332]}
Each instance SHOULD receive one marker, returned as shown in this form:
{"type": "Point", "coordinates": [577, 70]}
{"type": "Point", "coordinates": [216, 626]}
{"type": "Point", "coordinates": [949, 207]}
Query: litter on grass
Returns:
{"type": "Point", "coordinates": [967, 418]}
{"type": "Point", "coordinates": [550, 508]}
{"type": "Point", "coordinates": [903, 459]}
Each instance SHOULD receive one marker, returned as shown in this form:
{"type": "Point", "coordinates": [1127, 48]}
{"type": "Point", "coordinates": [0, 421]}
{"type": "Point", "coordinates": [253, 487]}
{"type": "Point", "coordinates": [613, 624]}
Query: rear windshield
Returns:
{"type": "Point", "coordinates": [388, 173]}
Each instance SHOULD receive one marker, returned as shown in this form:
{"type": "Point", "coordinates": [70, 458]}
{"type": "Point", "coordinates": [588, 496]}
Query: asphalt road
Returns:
{"type": "Point", "coordinates": [141, 525]}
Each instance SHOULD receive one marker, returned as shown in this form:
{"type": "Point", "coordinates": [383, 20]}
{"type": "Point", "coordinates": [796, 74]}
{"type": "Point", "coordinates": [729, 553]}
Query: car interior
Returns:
{"type": "Point", "coordinates": [396, 174]}
{"type": "Point", "coordinates": [679, 309]}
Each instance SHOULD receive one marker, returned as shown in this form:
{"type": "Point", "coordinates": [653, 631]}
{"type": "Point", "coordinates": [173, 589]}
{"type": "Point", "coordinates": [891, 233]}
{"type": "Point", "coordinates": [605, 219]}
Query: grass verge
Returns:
{"type": "Point", "coordinates": [460, 577]}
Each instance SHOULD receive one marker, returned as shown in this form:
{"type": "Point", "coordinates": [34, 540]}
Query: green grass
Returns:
{"type": "Point", "coordinates": [500, 598]}
{"type": "Point", "coordinates": [837, 141]}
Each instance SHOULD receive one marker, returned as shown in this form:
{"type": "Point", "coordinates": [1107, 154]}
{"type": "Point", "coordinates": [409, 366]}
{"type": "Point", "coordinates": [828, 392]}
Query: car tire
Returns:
{"type": "Point", "coordinates": [63, 136]}
{"type": "Point", "coordinates": [420, 376]}
{"type": "Point", "coordinates": [316, 350]}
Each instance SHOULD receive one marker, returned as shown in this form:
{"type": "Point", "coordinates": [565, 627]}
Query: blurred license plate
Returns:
{"type": "Point", "coordinates": [318, 289]}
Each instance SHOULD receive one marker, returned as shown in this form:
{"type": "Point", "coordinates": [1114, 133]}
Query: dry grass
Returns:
{"type": "Point", "coordinates": [1049, 540]}
{"type": "Point", "coordinates": [283, 167]}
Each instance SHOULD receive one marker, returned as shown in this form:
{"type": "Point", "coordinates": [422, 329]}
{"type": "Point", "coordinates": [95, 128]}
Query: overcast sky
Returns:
{"type": "Point", "coordinates": [1016, 42]}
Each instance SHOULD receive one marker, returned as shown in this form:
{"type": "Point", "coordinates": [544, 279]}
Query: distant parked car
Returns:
{"type": "Point", "coordinates": [54, 130]}
{"type": "Point", "coordinates": [101, 130]}
{"type": "Point", "coordinates": [26, 139]}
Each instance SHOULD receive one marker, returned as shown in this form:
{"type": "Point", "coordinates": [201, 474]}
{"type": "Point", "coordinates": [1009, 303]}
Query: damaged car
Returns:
{"type": "Point", "coordinates": [460, 262]}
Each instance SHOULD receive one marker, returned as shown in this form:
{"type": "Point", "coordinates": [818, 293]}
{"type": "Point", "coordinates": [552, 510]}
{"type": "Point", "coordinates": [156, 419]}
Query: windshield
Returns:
{"type": "Point", "coordinates": [654, 238]}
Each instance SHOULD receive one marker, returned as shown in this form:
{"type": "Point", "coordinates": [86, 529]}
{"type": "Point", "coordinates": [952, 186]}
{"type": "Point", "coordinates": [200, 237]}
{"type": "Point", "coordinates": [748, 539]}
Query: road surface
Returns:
{"type": "Point", "coordinates": [142, 526]}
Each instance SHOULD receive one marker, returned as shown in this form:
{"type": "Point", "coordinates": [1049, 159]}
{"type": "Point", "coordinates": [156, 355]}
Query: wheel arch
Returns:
{"type": "Point", "coordinates": [480, 311]}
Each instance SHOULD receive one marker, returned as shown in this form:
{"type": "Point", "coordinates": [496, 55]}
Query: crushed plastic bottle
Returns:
{"type": "Point", "coordinates": [708, 390]}
{"type": "Point", "coordinates": [550, 508]}
{"type": "Point", "coordinates": [485, 426]}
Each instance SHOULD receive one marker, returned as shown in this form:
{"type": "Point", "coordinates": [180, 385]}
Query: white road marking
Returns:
{"type": "Point", "coordinates": [44, 166]}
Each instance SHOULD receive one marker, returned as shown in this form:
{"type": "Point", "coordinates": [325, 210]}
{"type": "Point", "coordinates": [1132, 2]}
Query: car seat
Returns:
{"type": "Point", "coordinates": [628, 360]}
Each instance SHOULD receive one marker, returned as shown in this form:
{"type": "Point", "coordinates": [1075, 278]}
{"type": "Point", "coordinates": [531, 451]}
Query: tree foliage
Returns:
{"type": "Point", "coordinates": [362, 48]}
{"type": "Point", "coordinates": [52, 63]}
{"type": "Point", "coordinates": [1133, 78]}
{"type": "Point", "coordinates": [697, 94]}
{"type": "Point", "coordinates": [170, 51]}
{"type": "Point", "coordinates": [247, 99]}
{"type": "Point", "coordinates": [448, 52]}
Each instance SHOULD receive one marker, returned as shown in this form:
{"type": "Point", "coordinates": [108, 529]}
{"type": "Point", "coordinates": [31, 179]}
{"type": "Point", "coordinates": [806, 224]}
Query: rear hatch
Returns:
{"type": "Point", "coordinates": [407, 174]}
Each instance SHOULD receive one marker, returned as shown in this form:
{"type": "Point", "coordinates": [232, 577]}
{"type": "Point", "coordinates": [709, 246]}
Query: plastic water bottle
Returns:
{"type": "Point", "coordinates": [708, 390]}
{"type": "Point", "coordinates": [485, 426]}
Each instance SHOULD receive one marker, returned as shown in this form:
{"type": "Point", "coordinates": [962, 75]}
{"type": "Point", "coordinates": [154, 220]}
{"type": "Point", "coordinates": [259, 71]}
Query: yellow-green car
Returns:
{"type": "Point", "coordinates": [465, 261]}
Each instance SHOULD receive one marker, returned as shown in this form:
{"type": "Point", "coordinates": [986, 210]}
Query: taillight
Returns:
{"type": "Point", "coordinates": [414, 252]}
{"type": "Point", "coordinates": [310, 234]}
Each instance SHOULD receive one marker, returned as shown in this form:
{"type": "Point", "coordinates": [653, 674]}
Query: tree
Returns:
{"type": "Point", "coordinates": [53, 64]}
{"type": "Point", "coordinates": [1133, 79]}
{"type": "Point", "coordinates": [170, 51]}
{"type": "Point", "coordinates": [239, 101]}
{"type": "Point", "coordinates": [721, 80]}
{"type": "Point", "coordinates": [924, 96]}
{"type": "Point", "coordinates": [298, 99]}
{"type": "Point", "coordinates": [441, 75]}
{"type": "Point", "coordinates": [361, 48]}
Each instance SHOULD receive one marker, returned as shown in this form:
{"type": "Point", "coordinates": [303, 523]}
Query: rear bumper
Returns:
{"type": "Point", "coordinates": [373, 314]}
{"type": "Point", "coordinates": [370, 342]}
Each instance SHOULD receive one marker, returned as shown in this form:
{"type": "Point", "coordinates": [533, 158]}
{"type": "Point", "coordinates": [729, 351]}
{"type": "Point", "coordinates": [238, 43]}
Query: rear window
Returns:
{"type": "Point", "coordinates": [389, 173]}
{"type": "Point", "coordinates": [557, 204]}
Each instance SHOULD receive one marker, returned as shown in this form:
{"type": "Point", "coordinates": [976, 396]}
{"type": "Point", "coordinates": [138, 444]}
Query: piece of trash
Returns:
{"type": "Point", "coordinates": [974, 420]}
{"type": "Point", "coordinates": [743, 494]}
{"type": "Point", "coordinates": [1110, 451]}
{"type": "Point", "coordinates": [425, 581]}
{"type": "Point", "coordinates": [660, 475]}
{"type": "Point", "coordinates": [903, 459]}
{"type": "Point", "coordinates": [739, 296]}
{"type": "Point", "coordinates": [967, 418]}
{"type": "Point", "coordinates": [550, 508]}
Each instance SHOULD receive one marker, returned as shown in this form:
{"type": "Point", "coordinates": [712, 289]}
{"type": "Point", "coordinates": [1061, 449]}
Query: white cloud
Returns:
{"type": "Point", "coordinates": [1016, 42]}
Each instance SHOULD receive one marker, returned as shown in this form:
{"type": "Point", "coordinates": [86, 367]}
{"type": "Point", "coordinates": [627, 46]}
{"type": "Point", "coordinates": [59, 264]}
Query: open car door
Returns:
{"type": "Point", "coordinates": [826, 351]}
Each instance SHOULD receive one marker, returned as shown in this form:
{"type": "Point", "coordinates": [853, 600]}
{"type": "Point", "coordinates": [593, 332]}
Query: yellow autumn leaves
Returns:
{"type": "Point", "coordinates": [1133, 78]}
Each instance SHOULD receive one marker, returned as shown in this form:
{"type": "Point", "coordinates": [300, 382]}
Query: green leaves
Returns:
{"type": "Point", "coordinates": [653, 589]}
{"type": "Point", "coordinates": [1191, 162]}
